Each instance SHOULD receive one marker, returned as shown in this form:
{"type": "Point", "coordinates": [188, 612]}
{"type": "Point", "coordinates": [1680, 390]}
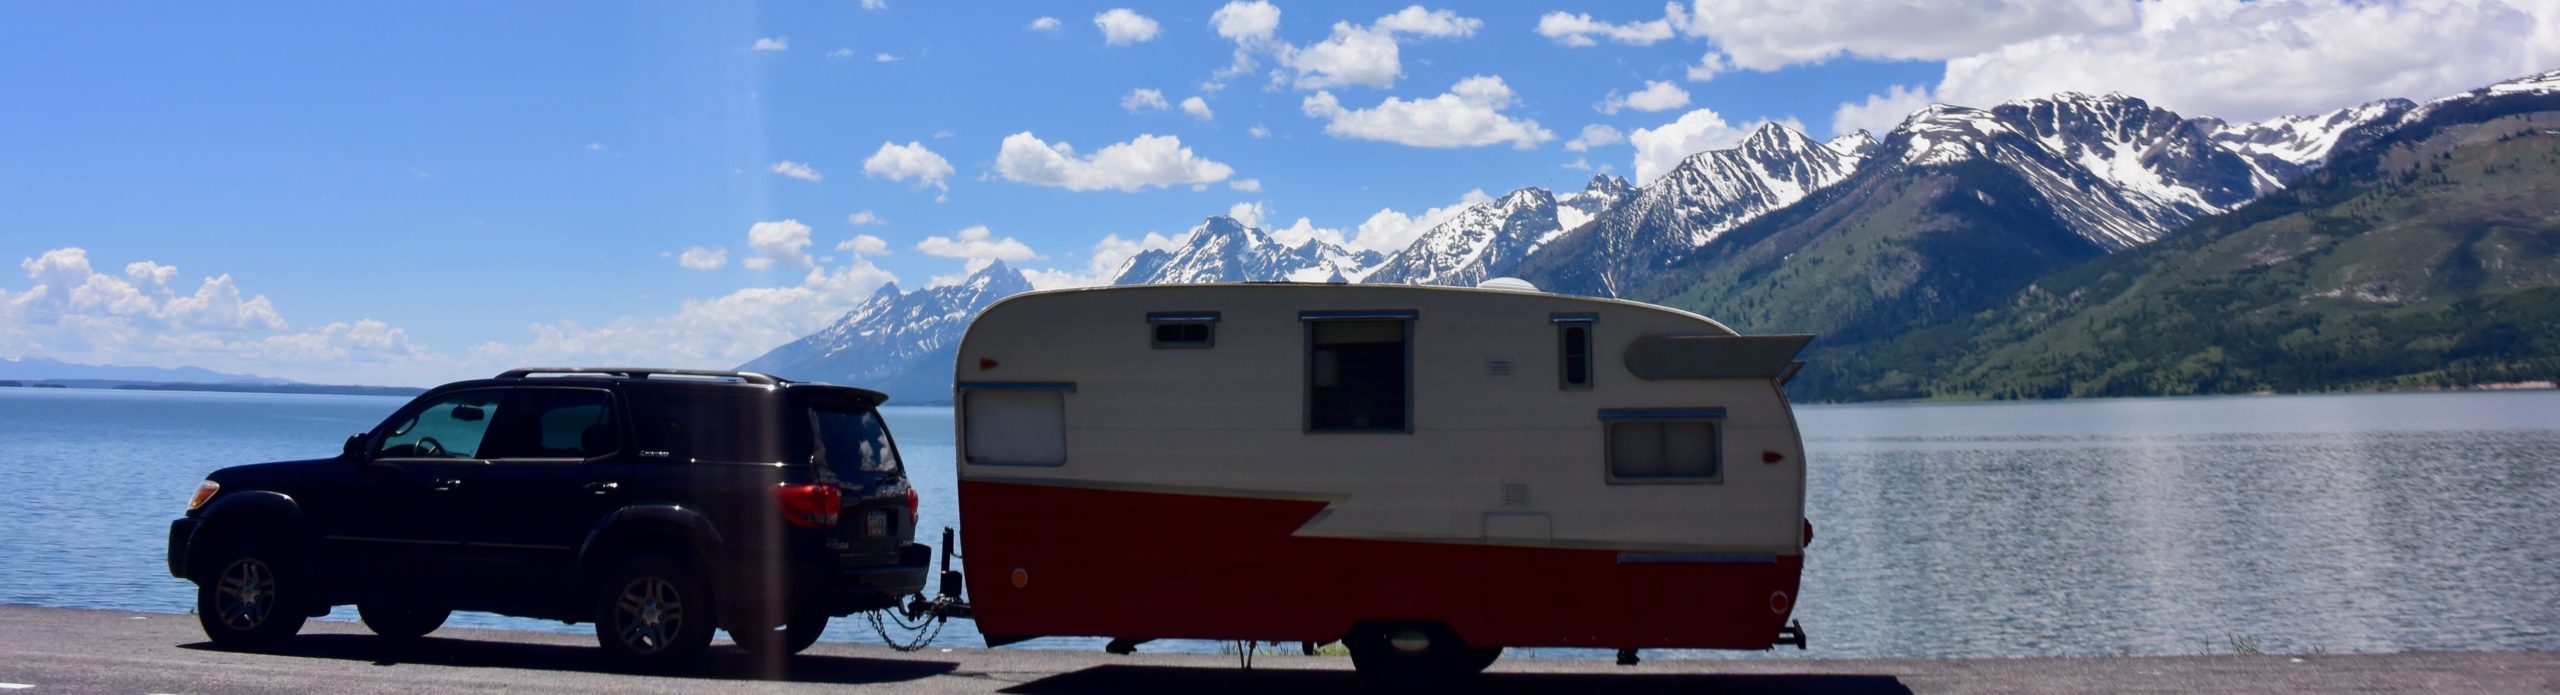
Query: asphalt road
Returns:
{"type": "Point", "coordinates": [55, 650]}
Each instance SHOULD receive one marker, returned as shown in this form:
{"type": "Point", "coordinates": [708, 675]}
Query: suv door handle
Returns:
{"type": "Point", "coordinates": [601, 487]}
{"type": "Point", "coordinates": [443, 484]}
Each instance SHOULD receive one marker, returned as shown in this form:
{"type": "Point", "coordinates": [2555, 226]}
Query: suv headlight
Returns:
{"type": "Point", "coordinates": [204, 491]}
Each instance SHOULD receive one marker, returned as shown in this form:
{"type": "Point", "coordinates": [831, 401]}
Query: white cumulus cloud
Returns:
{"type": "Point", "coordinates": [1121, 26]}
{"type": "Point", "coordinates": [1143, 99]}
{"type": "Point", "coordinates": [1046, 24]}
{"type": "Point", "coordinates": [1880, 112]}
{"type": "Point", "coordinates": [1469, 115]}
{"type": "Point", "coordinates": [1148, 160]}
{"type": "Point", "coordinates": [864, 218]}
{"type": "Point", "coordinates": [700, 258]}
{"type": "Point", "coordinates": [864, 245]}
{"type": "Point", "coordinates": [1246, 21]}
{"type": "Point", "coordinates": [909, 161]}
{"type": "Point", "coordinates": [2253, 60]}
{"type": "Point", "coordinates": [1246, 185]}
{"type": "Point", "coordinates": [1390, 231]}
{"type": "Point", "coordinates": [1660, 148]}
{"type": "Point", "coordinates": [771, 44]}
{"type": "Point", "coordinates": [797, 170]}
{"type": "Point", "coordinates": [784, 242]}
{"type": "Point", "coordinates": [1370, 56]}
{"type": "Point", "coordinates": [976, 242]}
{"type": "Point", "coordinates": [1771, 34]}
{"type": "Point", "coordinates": [1594, 135]}
{"type": "Point", "coordinates": [1196, 108]}
{"type": "Point", "coordinates": [1656, 96]}
{"type": "Point", "coordinates": [1578, 29]}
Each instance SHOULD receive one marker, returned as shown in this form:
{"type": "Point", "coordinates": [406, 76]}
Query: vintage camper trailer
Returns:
{"type": "Point", "coordinates": [1425, 474]}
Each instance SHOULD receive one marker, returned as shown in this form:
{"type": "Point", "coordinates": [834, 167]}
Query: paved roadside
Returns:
{"type": "Point", "coordinates": [56, 650]}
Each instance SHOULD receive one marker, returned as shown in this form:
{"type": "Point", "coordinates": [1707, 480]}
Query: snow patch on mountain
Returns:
{"type": "Point", "coordinates": [1223, 249]}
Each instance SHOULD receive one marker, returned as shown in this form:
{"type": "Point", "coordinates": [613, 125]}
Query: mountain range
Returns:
{"type": "Point", "coordinates": [1908, 254]}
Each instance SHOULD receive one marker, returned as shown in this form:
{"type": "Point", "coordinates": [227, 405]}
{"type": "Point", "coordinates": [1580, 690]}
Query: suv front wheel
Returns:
{"type": "Point", "coordinates": [654, 613]}
{"type": "Point", "coordinates": [253, 598]}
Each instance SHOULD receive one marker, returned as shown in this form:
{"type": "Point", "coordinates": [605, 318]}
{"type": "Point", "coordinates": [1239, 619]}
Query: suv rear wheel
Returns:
{"type": "Point", "coordinates": [401, 622]}
{"type": "Point", "coordinates": [654, 613]}
{"type": "Point", "coordinates": [253, 600]}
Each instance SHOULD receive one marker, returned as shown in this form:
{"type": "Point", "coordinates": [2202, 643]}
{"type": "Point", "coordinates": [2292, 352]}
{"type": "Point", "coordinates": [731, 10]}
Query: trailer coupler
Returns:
{"type": "Point", "coordinates": [1793, 634]}
{"type": "Point", "coordinates": [948, 601]}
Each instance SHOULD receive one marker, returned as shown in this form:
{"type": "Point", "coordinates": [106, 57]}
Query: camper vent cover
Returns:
{"type": "Point", "coordinates": [1515, 494]}
{"type": "Point", "coordinates": [1497, 367]}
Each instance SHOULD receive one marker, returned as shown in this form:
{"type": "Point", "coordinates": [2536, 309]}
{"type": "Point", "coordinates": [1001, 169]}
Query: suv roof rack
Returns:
{"type": "Point", "coordinates": [643, 373]}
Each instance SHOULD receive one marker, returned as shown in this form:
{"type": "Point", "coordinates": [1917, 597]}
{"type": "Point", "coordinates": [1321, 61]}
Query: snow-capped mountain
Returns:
{"type": "Point", "coordinates": [1484, 241]}
{"type": "Point", "coordinates": [1575, 209]}
{"type": "Point", "coordinates": [2284, 148]}
{"type": "Point", "coordinates": [1860, 143]}
{"type": "Point", "coordinates": [1707, 194]}
{"type": "Point", "coordinates": [2117, 170]}
{"type": "Point", "coordinates": [1223, 249]}
{"type": "Point", "coordinates": [898, 343]}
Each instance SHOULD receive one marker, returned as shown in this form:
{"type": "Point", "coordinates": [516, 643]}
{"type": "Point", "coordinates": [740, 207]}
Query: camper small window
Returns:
{"type": "Point", "coordinates": [1663, 450]}
{"type": "Point", "coordinates": [1358, 375]}
{"type": "Point", "coordinates": [1573, 354]}
{"type": "Point", "coordinates": [1177, 330]}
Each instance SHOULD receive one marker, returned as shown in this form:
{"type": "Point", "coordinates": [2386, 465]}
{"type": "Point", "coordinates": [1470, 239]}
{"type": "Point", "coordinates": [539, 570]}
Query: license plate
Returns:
{"type": "Point", "coordinates": [876, 523]}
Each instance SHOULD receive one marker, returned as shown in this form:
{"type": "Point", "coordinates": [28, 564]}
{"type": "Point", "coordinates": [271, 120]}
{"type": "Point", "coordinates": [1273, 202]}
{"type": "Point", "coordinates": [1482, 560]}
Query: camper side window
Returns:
{"type": "Point", "coordinates": [1358, 376]}
{"type": "Point", "coordinates": [1573, 354]}
{"type": "Point", "coordinates": [1664, 451]}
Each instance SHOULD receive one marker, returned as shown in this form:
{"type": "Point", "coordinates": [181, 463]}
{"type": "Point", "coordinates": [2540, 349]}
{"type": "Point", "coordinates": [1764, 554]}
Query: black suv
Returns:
{"type": "Point", "coordinates": [657, 504]}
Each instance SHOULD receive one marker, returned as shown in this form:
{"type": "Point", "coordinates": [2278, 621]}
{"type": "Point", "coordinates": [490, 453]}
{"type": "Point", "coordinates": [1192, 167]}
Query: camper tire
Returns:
{"type": "Point", "coordinates": [1414, 655]}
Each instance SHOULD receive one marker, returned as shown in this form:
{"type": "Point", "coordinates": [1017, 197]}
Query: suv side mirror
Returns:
{"type": "Point", "coordinates": [354, 448]}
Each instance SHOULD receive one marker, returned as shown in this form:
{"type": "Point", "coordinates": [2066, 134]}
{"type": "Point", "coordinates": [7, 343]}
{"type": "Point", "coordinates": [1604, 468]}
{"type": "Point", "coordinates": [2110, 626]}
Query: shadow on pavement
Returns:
{"type": "Point", "coordinates": [1188, 679]}
{"type": "Point", "coordinates": [719, 663]}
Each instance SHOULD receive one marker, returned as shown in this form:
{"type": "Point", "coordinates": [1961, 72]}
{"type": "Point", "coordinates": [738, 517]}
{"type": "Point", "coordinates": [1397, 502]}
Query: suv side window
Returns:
{"type": "Point", "coordinates": [554, 423]}
{"type": "Point", "coordinates": [853, 440]}
{"type": "Point", "coordinates": [451, 426]}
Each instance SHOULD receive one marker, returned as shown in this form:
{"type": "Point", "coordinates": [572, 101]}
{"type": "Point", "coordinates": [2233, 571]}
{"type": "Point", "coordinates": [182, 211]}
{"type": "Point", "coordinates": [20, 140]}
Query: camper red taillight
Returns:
{"type": "Point", "coordinates": [814, 505]}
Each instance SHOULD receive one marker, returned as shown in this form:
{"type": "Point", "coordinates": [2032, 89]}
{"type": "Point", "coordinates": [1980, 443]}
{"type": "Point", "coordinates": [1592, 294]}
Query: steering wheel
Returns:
{"type": "Point", "coordinates": [428, 447]}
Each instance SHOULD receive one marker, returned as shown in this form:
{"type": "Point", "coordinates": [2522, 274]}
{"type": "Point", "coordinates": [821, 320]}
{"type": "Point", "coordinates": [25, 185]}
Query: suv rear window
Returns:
{"type": "Point", "coordinates": [851, 440]}
{"type": "Point", "coordinates": [712, 424]}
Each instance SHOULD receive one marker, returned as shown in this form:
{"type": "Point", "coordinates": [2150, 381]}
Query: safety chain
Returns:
{"type": "Point", "coordinates": [929, 619]}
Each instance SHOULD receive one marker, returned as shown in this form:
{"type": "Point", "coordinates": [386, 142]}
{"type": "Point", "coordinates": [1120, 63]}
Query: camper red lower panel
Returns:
{"type": "Point", "coordinates": [1047, 560]}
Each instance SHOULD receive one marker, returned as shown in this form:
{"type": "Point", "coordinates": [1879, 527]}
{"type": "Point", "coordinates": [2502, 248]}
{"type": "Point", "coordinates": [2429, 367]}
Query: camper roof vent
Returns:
{"type": "Point", "coordinates": [1513, 284]}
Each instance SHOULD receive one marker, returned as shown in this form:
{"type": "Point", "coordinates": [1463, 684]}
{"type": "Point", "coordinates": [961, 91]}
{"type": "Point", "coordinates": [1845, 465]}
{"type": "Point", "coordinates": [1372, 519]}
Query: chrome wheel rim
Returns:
{"type": "Point", "coordinates": [648, 614]}
{"type": "Point", "coordinates": [245, 594]}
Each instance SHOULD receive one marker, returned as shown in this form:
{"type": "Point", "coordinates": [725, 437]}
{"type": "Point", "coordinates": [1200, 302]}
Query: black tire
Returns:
{"type": "Point", "coordinates": [401, 622]}
{"type": "Point", "coordinates": [1414, 656]}
{"type": "Point", "coordinates": [253, 597]}
{"type": "Point", "coordinates": [785, 641]}
{"type": "Point", "coordinates": [654, 613]}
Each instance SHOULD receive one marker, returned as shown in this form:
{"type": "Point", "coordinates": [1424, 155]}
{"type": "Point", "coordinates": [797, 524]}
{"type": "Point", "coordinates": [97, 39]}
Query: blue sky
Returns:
{"type": "Point", "coordinates": [415, 193]}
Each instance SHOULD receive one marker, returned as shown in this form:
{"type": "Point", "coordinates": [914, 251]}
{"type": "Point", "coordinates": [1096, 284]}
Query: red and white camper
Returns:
{"type": "Point", "coordinates": [1425, 474]}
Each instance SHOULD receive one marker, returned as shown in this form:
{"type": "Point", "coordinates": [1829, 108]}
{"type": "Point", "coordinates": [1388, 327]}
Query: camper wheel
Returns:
{"type": "Point", "coordinates": [1421, 655]}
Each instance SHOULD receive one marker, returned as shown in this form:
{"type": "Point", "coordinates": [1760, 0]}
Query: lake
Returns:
{"type": "Point", "coordinates": [2349, 523]}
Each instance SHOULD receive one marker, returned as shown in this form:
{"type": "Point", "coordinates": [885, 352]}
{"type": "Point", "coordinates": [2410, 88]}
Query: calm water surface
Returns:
{"type": "Point", "coordinates": [2143, 526]}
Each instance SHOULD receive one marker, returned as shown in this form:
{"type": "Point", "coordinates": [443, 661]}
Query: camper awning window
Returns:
{"type": "Point", "coordinates": [1182, 329]}
{"type": "Point", "coordinates": [1359, 372]}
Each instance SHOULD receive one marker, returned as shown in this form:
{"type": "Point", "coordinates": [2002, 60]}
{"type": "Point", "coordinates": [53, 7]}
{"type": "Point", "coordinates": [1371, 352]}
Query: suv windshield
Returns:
{"type": "Point", "coordinates": [851, 440]}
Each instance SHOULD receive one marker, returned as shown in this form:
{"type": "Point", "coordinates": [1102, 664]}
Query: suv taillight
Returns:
{"type": "Point", "coordinates": [815, 505]}
{"type": "Point", "coordinates": [912, 503]}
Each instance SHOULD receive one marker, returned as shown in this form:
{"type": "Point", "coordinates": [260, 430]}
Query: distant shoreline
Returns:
{"type": "Point", "coordinates": [310, 389]}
